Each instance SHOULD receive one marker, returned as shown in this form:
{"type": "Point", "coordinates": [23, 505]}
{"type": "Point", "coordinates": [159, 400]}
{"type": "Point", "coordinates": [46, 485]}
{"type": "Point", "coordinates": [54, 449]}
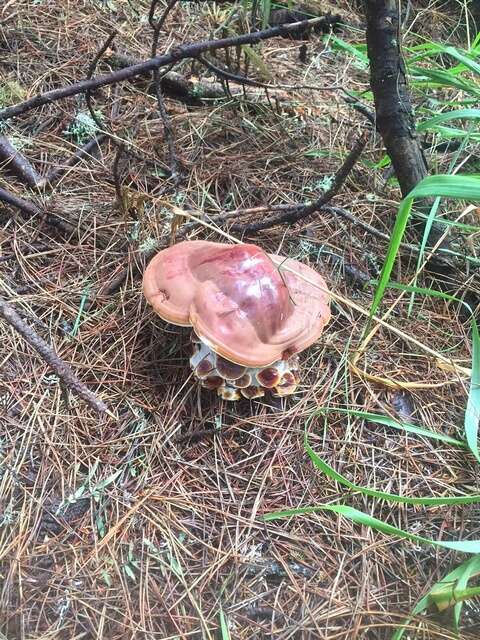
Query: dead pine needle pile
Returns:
{"type": "Point", "coordinates": [135, 504]}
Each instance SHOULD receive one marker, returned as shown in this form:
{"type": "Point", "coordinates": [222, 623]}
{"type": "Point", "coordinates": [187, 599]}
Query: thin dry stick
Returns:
{"type": "Point", "coordinates": [116, 142]}
{"type": "Point", "coordinates": [296, 213]}
{"type": "Point", "coordinates": [29, 210]}
{"type": "Point", "coordinates": [17, 164]}
{"type": "Point", "coordinates": [167, 125]}
{"type": "Point", "coordinates": [222, 218]}
{"type": "Point", "coordinates": [84, 151]}
{"type": "Point", "coordinates": [244, 80]}
{"type": "Point", "coordinates": [61, 368]}
{"type": "Point", "coordinates": [180, 53]}
{"type": "Point", "coordinates": [204, 91]}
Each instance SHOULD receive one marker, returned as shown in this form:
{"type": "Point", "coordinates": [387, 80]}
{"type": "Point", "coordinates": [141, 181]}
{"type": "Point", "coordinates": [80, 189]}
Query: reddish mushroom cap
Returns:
{"type": "Point", "coordinates": [238, 299]}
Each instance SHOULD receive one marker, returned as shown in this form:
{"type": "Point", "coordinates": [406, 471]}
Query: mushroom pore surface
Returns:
{"type": "Point", "coordinates": [240, 301]}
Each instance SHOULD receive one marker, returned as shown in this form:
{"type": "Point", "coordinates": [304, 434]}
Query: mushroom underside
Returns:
{"type": "Point", "coordinates": [233, 381]}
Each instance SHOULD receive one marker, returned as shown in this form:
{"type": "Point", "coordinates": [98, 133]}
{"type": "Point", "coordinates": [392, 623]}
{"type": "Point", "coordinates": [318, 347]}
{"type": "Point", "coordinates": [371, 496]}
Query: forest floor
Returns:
{"type": "Point", "coordinates": [150, 525]}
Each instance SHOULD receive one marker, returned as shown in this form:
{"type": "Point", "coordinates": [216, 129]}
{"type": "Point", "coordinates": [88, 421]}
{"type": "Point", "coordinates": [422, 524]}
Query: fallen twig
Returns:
{"type": "Point", "coordinates": [17, 164]}
{"type": "Point", "coordinates": [119, 144]}
{"type": "Point", "coordinates": [61, 368]}
{"type": "Point", "coordinates": [244, 80]}
{"type": "Point", "coordinates": [177, 86]}
{"type": "Point", "coordinates": [167, 125]}
{"type": "Point", "coordinates": [180, 53]}
{"type": "Point", "coordinates": [29, 210]}
{"type": "Point", "coordinates": [91, 70]}
{"type": "Point", "coordinates": [82, 152]}
{"type": "Point", "coordinates": [292, 214]}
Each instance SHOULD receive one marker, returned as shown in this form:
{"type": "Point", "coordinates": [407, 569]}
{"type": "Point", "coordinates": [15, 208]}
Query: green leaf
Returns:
{"type": "Point", "coordinates": [356, 51]}
{"type": "Point", "coordinates": [390, 422]}
{"type": "Point", "coordinates": [359, 517]}
{"type": "Point", "coordinates": [129, 572]}
{"type": "Point", "coordinates": [443, 78]}
{"type": "Point", "coordinates": [457, 114]}
{"type": "Point", "coordinates": [104, 483]}
{"type": "Point", "coordinates": [468, 569]}
{"type": "Point", "coordinates": [224, 626]}
{"type": "Point", "coordinates": [106, 577]}
{"type": "Point", "coordinates": [471, 569]}
{"type": "Point", "coordinates": [458, 187]}
{"type": "Point", "coordinates": [266, 8]}
{"type": "Point", "coordinates": [78, 319]}
{"type": "Point", "coordinates": [379, 419]}
{"type": "Point", "coordinates": [446, 598]}
{"type": "Point", "coordinates": [453, 132]}
{"type": "Point", "coordinates": [472, 413]}
{"type": "Point", "coordinates": [468, 62]}
{"type": "Point", "coordinates": [395, 241]}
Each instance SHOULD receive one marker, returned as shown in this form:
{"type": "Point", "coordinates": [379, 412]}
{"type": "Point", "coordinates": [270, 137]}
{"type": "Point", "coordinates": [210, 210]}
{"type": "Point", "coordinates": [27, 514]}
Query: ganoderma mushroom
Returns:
{"type": "Point", "coordinates": [250, 315]}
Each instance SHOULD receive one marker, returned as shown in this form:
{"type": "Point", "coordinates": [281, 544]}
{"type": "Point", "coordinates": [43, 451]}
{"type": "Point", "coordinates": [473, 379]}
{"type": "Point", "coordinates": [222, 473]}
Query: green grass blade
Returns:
{"type": "Point", "coordinates": [433, 212]}
{"type": "Point", "coordinates": [359, 517]}
{"type": "Point", "coordinates": [470, 568]}
{"type": "Point", "coordinates": [224, 626]}
{"type": "Point", "coordinates": [466, 228]}
{"type": "Point", "coordinates": [266, 9]}
{"type": "Point", "coordinates": [382, 495]}
{"type": "Point", "coordinates": [426, 234]}
{"type": "Point", "coordinates": [457, 114]}
{"type": "Point", "coordinates": [453, 132]}
{"type": "Point", "coordinates": [395, 241]}
{"type": "Point", "coordinates": [331, 473]}
{"type": "Point", "coordinates": [390, 422]}
{"type": "Point", "coordinates": [440, 78]}
{"type": "Point", "coordinates": [465, 60]}
{"type": "Point", "coordinates": [85, 294]}
{"type": "Point", "coordinates": [357, 52]}
{"type": "Point", "coordinates": [458, 187]}
{"type": "Point", "coordinates": [472, 413]}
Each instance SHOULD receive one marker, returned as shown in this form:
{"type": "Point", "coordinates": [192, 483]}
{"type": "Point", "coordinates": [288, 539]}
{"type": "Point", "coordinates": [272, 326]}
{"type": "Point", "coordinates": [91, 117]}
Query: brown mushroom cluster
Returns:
{"type": "Point", "coordinates": [250, 315]}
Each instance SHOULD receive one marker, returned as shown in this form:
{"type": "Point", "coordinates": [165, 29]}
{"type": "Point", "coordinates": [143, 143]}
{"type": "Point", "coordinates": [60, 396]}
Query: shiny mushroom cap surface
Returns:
{"type": "Point", "coordinates": [241, 302]}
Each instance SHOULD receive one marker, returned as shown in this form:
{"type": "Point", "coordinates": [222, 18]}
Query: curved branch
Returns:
{"type": "Point", "coordinates": [180, 53]}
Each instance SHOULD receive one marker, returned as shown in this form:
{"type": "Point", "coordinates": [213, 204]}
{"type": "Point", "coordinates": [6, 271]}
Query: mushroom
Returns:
{"type": "Point", "coordinates": [250, 315]}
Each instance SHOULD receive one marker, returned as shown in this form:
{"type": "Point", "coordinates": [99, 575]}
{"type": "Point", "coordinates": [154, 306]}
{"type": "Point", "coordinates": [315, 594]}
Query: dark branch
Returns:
{"type": "Point", "coordinates": [180, 53]}
{"type": "Point", "coordinates": [228, 75]}
{"type": "Point", "coordinates": [46, 352]}
{"type": "Point", "coordinates": [29, 210]}
{"type": "Point", "coordinates": [18, 165]}
{"type": "Point", "coordinates": [167, 125]}
{"type": "Point", "coordinates": [291, 214]}
{"type": "Point", "coordinates": [394, 115]}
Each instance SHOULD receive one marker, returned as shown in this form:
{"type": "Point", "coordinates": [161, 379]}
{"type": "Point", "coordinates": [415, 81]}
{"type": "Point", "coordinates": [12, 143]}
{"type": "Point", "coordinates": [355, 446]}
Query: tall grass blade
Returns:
{"type": "Point", "coordinates": [472, 413]}
{"type": "Point", "coordinates": [458, 576]}
{"type": "Point", "coordinates": [224, 626]}
{"type": "Point", "coordinates": [457, 114]}
{"type": "Point", "coordinates": [359, 517]}
{"type": "Point", "coordinates": [331, 473]}
{"type": "Point", "coordinates": [458, 187]}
